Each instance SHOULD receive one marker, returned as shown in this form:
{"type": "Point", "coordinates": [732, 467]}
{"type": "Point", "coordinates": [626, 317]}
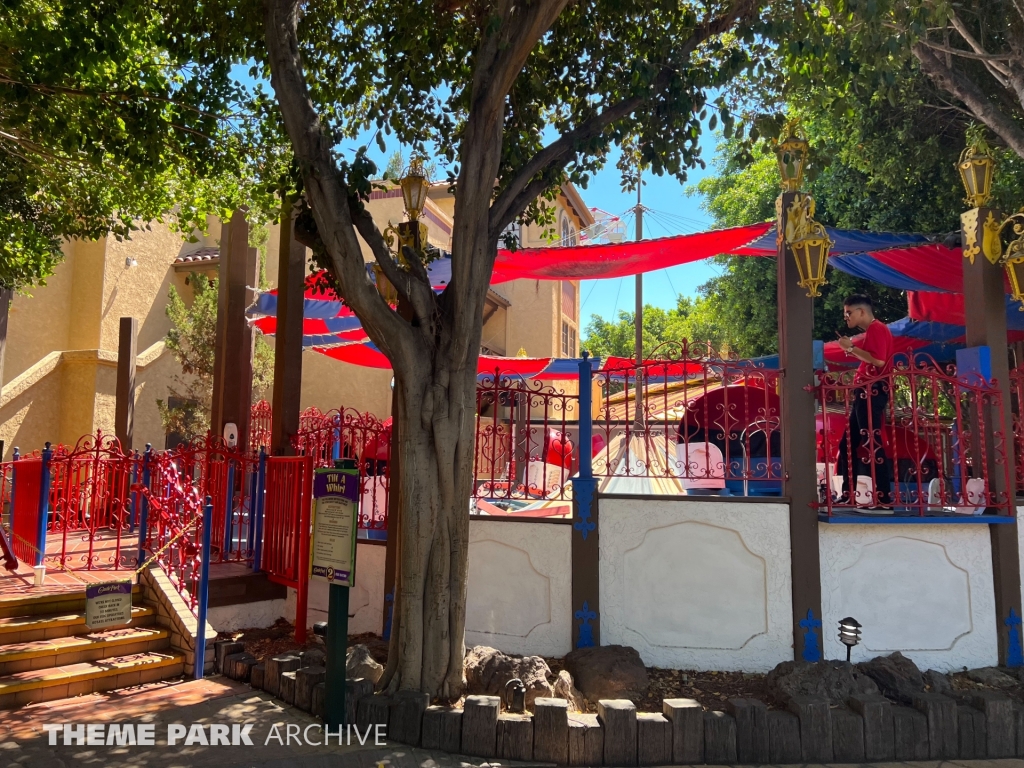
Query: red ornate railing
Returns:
{"type": "Point", "coordinates": [90, 505]}
{"type": "Point", "coordinates": [348, 434]}
{"type": "Point", "coordinates": [921, 441]}
{"type": "Point", "coordinates": [1017, 406]}
{"type": "Point", "coordinates": [260, 423]}
{"type": "Point", "coordinates": [526, 442]}
{"type": "Point", "coordinates": [174, 527]}
{"type": "Point", "coordinates": [689, 419]}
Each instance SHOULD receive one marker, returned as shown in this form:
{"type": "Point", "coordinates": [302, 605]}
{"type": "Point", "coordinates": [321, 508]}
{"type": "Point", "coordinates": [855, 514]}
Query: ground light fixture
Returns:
{"type": "Point", "coordinates": [515, 696]}
{"type": "Point", "coordinates": [849, 633]}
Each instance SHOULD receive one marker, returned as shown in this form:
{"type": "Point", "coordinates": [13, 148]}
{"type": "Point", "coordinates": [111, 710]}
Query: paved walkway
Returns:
{"type": "Point", "coordinates": [24, 743]}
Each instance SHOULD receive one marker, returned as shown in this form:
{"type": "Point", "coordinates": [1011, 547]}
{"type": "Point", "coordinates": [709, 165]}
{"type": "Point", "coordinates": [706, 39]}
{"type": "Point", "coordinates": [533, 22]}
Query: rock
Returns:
{"type": "Point", "coordinates": [608, 672]}
{"type": "Point", "coordinates": [564, 689]}
{"type": "Point", "coordinates": [938, 682]}
{"type": "Point", "coordinates": [991, 677]}
{"type": "Point", "coordinates": [359, 663]}
{"type": "Point", "coordinates": [488, 670]}
{"type": "Point", "coordinates": [836, 681]}
{"type": "Point", "coordinates": [314, 657]}
{"type": "Point", "coordinates": [896, 676]}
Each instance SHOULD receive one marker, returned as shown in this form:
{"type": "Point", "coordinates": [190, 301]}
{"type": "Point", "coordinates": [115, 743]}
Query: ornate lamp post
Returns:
{"type": "Point", "coordinates": [985, 326]}
{"type": "Point", "coordinates": [802, 254]}
{"type": "Point", "coordinates": [411, 233]}
{"type": "Point", "coordinates": [806, 238]}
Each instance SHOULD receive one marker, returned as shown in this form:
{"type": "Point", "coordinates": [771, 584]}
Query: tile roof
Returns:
{"type": "Point", "coordinates": [203, 254]}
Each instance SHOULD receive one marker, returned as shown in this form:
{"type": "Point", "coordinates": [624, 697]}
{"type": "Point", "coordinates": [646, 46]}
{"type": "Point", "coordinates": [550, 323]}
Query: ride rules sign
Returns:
{"type": "Point", "coordinates": [336, 504]}
{"type": "Point", "coordinates": [108, 604]}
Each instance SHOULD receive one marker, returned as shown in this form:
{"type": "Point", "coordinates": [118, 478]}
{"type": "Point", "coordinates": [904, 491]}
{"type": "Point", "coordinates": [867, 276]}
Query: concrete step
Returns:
{"type": "Point", "coordinates": [25, 629]}
{"type": "Point", "coordinates": [64, 682]}
{"type": "Point", "coordinates": [68, 601]}
{"type": "Point", "coordinates": [73, 649]}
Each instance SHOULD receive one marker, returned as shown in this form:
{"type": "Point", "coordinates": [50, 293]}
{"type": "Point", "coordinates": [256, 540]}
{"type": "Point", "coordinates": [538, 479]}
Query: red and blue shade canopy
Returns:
{"type": "Point", "coordinates": [931, 272]}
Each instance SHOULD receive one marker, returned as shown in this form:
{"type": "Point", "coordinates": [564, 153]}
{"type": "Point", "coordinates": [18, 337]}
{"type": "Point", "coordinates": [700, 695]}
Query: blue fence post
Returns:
{"type": "Point", "coordinates": [336, 447]}
{"type": "Point", "coordinates": [586, 421]}
{"type": "Point", "coordinates": [44, 505]}
{"type": "Point", "coordinates": [251, 481]}
{"type": "Point", "coordinates": [585, 576]}
{"type": "Point", "coordinates": [204, 591]}
{"type": "Point", "coordinates": [14, 485]}
{"type": "Point", "coordinates": [147, 458]}
{"type": "Point", "coordinates": [258, 507]}
{"type": "Point", "coordinates": [229, 507]}
{"type": "Point", "coordinates": [135, 494]}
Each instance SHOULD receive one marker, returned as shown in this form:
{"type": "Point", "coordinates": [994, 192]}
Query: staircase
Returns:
{"type": "Point", "coordinates": [47, 652]}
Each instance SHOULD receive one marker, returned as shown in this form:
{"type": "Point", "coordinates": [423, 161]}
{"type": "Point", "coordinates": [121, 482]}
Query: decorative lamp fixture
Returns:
{"type": "Point", "coordinates": [515, 695]}
{"type": "Point", "coordinates": [792, 155]}
{"type": "Point", "coordinates": [811, 254]}
{"type": "Point", "coordinates": [977, 167]}
{"type": "Point", "coordinates": [809, 242]}
{"type": "Point", "coordinates": [849, 633]}
{"type": "Point", "coordinates": [414, 184]}
{"type": "Point", "coordinates": [1013, 257]}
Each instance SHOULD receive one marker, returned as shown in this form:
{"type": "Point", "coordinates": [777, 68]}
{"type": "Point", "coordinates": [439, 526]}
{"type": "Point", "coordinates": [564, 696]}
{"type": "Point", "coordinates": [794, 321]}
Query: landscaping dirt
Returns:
{"type": "Point", "coordinates": [280, 638]}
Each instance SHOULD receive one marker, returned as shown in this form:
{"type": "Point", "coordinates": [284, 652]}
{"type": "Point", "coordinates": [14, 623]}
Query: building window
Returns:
{"type": "Point", "coordinates": [569, 300]}
{"type": "Point", "coordinates": [568, 340]}
{"type": "Point", "coordinates": [572, 237]}
{"type": "Point", "coordinates": [565, 232]}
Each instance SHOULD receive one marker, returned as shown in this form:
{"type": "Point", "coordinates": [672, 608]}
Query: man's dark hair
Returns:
{"type": "Point", "coordinates": [860, 300]}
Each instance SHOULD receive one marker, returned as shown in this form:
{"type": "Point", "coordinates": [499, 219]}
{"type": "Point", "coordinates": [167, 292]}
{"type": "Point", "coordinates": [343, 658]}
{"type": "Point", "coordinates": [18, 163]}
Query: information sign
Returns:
{"type": "Point", "coordinates": [336, 504]}
{"type": "Point", "coordinates": [108, 604]}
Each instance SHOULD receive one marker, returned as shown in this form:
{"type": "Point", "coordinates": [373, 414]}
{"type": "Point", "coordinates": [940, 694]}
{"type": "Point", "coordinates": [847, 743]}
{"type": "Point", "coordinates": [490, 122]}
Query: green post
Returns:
{"type": "Point", "coordinates": [337, 636]}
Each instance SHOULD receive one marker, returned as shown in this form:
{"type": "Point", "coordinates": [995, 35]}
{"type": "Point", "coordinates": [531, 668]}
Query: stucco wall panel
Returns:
{"type": "Point", "coordinates": [38, 323]}
{"type": "Point", "coordinates": [520, 587]}
{"type": "Point", "coordinates": [32, 414]}
{"type": "Point", "coordinates": [925, 591]}
{"type": "Point", "coordinates": [697, 585]}
{"type": "Point", "coordinates": [365, 599]}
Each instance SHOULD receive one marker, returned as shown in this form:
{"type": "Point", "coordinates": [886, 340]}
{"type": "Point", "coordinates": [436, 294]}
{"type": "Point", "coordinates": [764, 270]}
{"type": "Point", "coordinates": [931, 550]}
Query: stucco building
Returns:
{"type": "Point", "coordinates": [59, 373]}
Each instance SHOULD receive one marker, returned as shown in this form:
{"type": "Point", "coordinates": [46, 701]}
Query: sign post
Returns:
{"type": "Point", "coordinates": [335, 515]}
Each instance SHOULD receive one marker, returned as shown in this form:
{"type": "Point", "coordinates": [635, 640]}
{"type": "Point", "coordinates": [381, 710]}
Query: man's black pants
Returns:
{"type": "Point", "coordinates": [867, 418]}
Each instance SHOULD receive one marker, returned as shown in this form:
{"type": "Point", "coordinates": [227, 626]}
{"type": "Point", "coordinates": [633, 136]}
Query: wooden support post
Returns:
{"type": "Point", "coordinates": [124, 408]}
{"type": "Point", "coordinates": [291, 281]}
{"type": "Point", "coordinates": [232, 376]}
{"type": "Point", "coordinates": [796, 361]}
{"type": "Point", "coordinates": [985, 320]}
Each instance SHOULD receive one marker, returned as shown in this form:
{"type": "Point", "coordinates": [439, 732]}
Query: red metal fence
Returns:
{"type": "Point", "coordinates": [260, 423]}
{"type": "Point", "coordinates": [916, 441]}
{"type": "Point", "coordinates": [526, 443]}
{"type": "Point", "coordinates": [349, 434]}
{"type": "Point", "coordinates": [689, 420]}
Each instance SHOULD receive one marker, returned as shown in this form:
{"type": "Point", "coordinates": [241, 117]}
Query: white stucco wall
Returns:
{"type": "Point", "coordinates": [260, 615]}
{"type": "Point", "coordinates": [520, 587]}
{"type": "Point", "coordinates": [697, 584]}
{"type": "Point", "coordinates": [365, 599]}
{"type": "Point", "coordinates": [924, 590]}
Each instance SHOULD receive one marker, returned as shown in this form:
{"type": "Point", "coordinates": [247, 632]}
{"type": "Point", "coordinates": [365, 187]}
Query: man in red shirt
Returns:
{"type": "Point", "coordinates": [862, 442]}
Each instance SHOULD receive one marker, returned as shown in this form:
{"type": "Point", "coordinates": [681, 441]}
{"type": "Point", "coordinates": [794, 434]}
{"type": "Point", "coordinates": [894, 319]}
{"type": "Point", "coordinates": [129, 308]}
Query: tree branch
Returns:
{"type": "Point", "coordinates": [996, 69]}
{"type": "Point", "coordinates": [970, 94]}
{"type": "Point", "coordinates": [327, 195]}
{"type": "Point", "coordinates": [520, 190]}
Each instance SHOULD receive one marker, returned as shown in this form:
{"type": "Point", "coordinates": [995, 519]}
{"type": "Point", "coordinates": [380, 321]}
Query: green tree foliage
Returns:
{"type": "Point", "coordinates": [105, 121]}
{"type": "Point", "coordinates": [841, 53]}
{"type": "Point", "coordinates": [192, 340]}
{"type": "Point", "coordinates": [688, 320]}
